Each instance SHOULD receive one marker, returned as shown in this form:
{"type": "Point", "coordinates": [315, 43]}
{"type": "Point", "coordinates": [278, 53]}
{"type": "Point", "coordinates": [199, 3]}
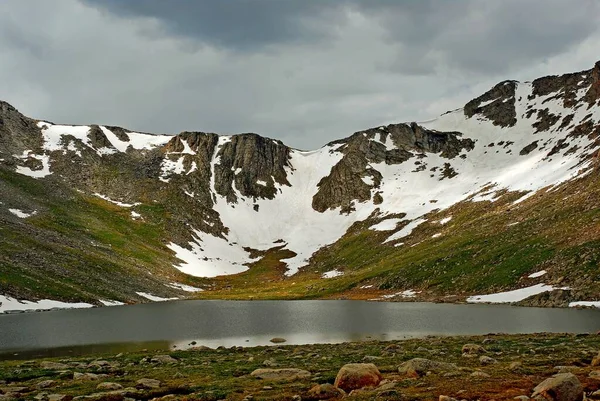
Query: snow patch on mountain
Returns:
{"type": "Point", "coordinates": [11, 304]}
{"type": "Point", "coordinates": [513, 296]}
{"type": "Point", "coordinates": [21, 214]}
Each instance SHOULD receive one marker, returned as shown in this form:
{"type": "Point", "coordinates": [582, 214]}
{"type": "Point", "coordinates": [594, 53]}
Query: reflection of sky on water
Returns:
{"type": "Point", "coordinates": [249, 323]}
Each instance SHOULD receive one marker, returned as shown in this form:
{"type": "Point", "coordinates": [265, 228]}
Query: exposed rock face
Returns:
{"type": "Point", "coordinates": [17, 133]}
{"type": "Point", "coordinates": [352, 178]}
{"type": "Point", "coordinates": [566, 86]}
{"type": "Point", "coordinates": [357, 375]}
{"type": "Point", "coordinates": [497, 104]}
{"type": "Point", "coordinates": [252, 164]}
{"type": "Point", "coordinates": [560, 387]}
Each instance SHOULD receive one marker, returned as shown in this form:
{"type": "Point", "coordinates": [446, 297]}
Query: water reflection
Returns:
{"type": "Point", "coordinates": [245, 323]}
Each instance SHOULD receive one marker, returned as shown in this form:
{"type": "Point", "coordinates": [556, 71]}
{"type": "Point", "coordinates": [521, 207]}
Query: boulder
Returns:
{"type": "Point", "coordinates": [147, 383]}
{"type": "Point", "coordinates": [594, 374]}
{"type": "Point", "coordinates": [560, 387]}
{"type": "Point", "coordinates": [420, 366]}
{"type": "Point", "coordinates": [286, 374]}
{"type": "Point", "coordinates": [163, 359]}
{"type": "Point", "coordinates": [354, 376]}
{"type": "Point", "coordinates": [323, 392]}
{"type": "Point", "coordinates": [472, 349]}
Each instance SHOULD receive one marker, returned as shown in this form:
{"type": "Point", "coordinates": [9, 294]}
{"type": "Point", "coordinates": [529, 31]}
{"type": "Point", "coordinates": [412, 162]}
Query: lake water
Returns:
{"type": "Point", "coordinates": [247, 323]}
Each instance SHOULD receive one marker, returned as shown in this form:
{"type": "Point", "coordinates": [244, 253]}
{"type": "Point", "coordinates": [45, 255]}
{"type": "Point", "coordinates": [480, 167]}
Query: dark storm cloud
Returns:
{"type": "Point", "coordinates": [466, 34]}
{"type": "Point", "coordinates": [237, 24]}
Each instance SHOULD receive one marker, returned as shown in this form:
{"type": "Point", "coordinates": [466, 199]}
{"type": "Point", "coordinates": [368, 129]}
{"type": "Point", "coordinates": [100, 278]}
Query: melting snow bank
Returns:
{"type": "Point", "coordinates": [594, 304]}
{"type": "Point", "coordinates": [21, 214]}
{"type": "Point", "coordinates": [8, 305]}
{"type": "Point", "coordinates": [183, 287]}
{"type": "Point", "coordinates": [154, 297]}
{"type": "Point", "coordinates": [110, 302]}
{"type": "Point", "coordinates": [513, 296]}
{"type": "Point", "coordinates": [106, 198]}
{"type": "Point", "coordinates": [403, 294]}
{"type": "Point", "coordinates": [332, 274]}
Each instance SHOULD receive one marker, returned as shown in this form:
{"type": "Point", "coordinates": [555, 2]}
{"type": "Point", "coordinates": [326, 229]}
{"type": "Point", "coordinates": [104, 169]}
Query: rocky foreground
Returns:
{"type": "Point", "coordinates": [559, 367]}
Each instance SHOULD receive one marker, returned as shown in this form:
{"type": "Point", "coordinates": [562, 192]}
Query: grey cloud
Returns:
{"type": "Point", "coordinates": [315, 74]}
{"type": "Point", "coordinates": [238, 24]}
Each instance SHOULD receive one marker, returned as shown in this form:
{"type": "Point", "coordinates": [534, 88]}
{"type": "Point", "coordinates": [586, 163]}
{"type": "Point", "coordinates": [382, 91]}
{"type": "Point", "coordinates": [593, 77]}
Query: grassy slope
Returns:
{"type": "Point", "coordinates": [83, 248]}
{"type": "Point", "coordinates": [78, 247]}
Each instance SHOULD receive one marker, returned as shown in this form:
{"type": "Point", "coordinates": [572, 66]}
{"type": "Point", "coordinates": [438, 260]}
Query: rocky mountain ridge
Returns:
{"type": "Point", "coordinates": [219, 204]}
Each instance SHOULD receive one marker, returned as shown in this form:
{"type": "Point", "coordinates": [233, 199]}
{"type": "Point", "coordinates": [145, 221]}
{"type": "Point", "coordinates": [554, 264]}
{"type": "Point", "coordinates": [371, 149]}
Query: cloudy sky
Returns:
{"type": "Point", "coordinates": [303, 71]}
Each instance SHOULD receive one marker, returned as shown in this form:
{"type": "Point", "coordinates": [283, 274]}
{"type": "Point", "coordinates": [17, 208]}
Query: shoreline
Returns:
{"type": "Point", "coordinates": [501, 367]}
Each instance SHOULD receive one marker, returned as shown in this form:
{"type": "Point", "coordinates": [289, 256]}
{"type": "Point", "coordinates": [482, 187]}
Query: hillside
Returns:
{"type": "Point", "coordinates": [498, 195]}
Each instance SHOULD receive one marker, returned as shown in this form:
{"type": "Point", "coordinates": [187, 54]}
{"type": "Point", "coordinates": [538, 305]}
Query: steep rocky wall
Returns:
{"type": "Point", "coordinates": [352, 178]}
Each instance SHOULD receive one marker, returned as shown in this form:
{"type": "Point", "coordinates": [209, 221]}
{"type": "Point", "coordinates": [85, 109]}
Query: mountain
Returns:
{"type": "Point", "coordinates": [498, 195]}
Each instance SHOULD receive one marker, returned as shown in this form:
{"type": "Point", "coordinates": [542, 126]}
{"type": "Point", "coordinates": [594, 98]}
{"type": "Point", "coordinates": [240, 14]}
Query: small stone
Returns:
{"type": "Point", "coordinates": [371, 358]}
{"type": "Point", "coordinates": [514, 366]}
{"type": "Point", "coordinates": [479, 373]}
{"type": "Point", "coordinates": [472, 349]}
{"type": "Point", "coordinates": [594, 374]}
{"type": "Point", "coordinates": [53, 365]}
{"type": "Point", "coordinates": [270, 363]}
{"type": "Point", "coordinates": [446, 398]}
{"type": "Point", "coordinates": [354, 376]}
{"type": "Point", "coordinates": [522, 398]}
{"type": "Point", "coordinates": [147, 383]}
{"type": "Point", "coordinates": [286, 374]}
{"type": "Point", "coordinates": [163, 359]}
{"type": "Point", "coordinates": [59, 397]}
{"type": "Point", "coordinates": [85, 376]}
{"type": "Point", "coordinates": [565, 369]}
{"type": "Point", "coordinates": [486, 360]}
{"type": "Point", "coordinates": [596, 360]}
{"type": "Point", "coordinates": [45, 384]}
{"type": "Point", "coordinates": [420, 366]}
{"type": "Point", "coordinates": [108, 386]}
{"type": "Point", "coordinates": [324, 392]}
{"type": "Point", "coordinates": [278, 340]}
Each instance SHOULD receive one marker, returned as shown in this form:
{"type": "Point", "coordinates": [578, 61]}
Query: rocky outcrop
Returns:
{"type": "Point", "coordinates": [497, 105]}
{"type": "Point", "coordinates": [252, 165]}
{"type": "Point", "coordinates": [566, 86]}
{"type": "Point", "coordinates": [17, 134]}
{"type": "Point", "coordinates": [353, 177]}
